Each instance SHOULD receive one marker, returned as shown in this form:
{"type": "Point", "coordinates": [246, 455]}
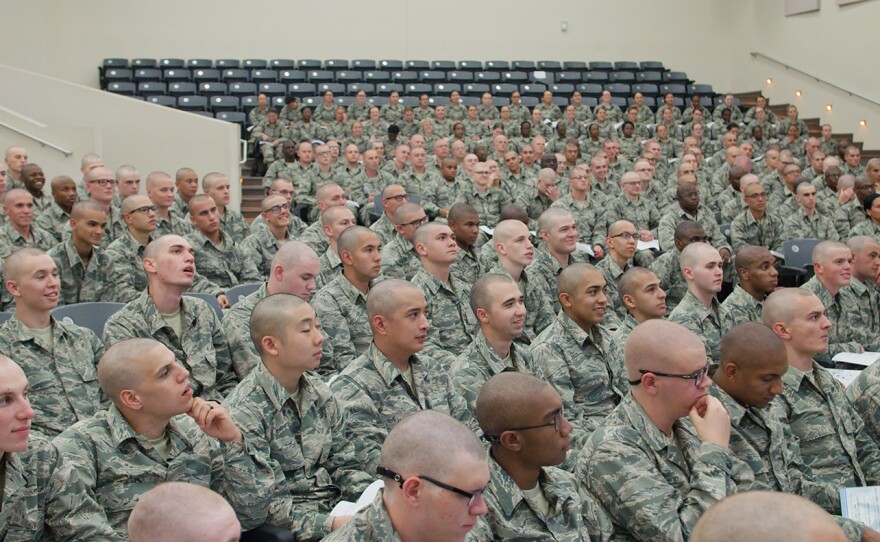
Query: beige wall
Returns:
{"type": "Point", "coordinates": [122, 130]}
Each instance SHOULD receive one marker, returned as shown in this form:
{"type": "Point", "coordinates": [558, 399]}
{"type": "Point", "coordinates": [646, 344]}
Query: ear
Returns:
{"type": "Point", "coordinates": [688, 273]}
{"type": "Point", "coordinates": [12, 288]}
{"type": "Point", "coordinates": [346, 258]}
{"type": "Point", "coordinates": [482, 316]}
{"type": "Point", "coordinates": [730, 371]}
{"type": "Point", "coordinates": [544, 235]}
{"type": "Point", "coordinates": [628, 301]}
{"type": "Point", "coordinates": [327, 230]}
{"type": "Point", "coordinates": [192, 220]}
{"type": "Point", "coordinates": [420, 250]}
{"type": "Point", "coordinates": [499, 248]}
{"type": "Point", "coordinates": [399, 229]}
{"type": "Point", "coordinates": [781, 331]}
{"type": "Point", "coordinates": [149, 265]}
{"type": "Point", "coordinates": [379, 325]}
{"type": "Point", "coordinates": [72, 224]}
{"type": "Point", "coordinates": [270, 345]}
{"type": "Point", "coordinates": [649, 384]}
{"type": "Point", "coordinates": [565, 299]}
{"type": "Point", "coordinates": [411, 490]}
{"type": "Point", "coordinates": [131, 399]}
{"type": "Point", "coordinates": [510, 440]}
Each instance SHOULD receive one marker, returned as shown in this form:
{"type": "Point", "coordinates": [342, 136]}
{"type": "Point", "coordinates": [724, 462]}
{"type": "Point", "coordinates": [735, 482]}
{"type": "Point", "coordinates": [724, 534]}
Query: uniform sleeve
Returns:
{"type": "Point", "coordinates": [334, 325]}
{"type": "Point", "coordinates": [119, 275]}
{"type": "Point", "coordinates": [362, 426]}
{"type": "Point", "coordinates": [226, 375]}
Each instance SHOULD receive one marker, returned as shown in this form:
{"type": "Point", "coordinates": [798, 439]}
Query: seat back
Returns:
{"type": "Point", "coordinates": [237, 293]}
{"type": "Point", "coordinates": [88, 315]}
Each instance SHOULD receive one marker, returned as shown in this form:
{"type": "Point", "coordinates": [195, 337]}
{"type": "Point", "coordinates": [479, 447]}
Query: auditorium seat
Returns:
{"type": "Point", "coordinates": [336, 64]}
{"type": "Point", "coordinates": [404, 77]}
{"type": "Point", "coordinates": [651, 65]}
{"type": "Point", "coordinates": [242, 89]}
{"type": "Point", "coordinates": [549, 65]}
{"type": "Point", "coordinates": [497, 65]}
{"type": "Point", "coordinates": [434, 101]}
{"type": "Point", "coordinates": [470, 65]}
{"type": "Point", "coordinates": [199, 63]}
{"type": "Point", "coordinates": [181, 89]}
{"type": "Point", "coordinates": [118, 74]}
{"type": "Point", "coordinates": [460, 76]}
{"type": "Point", "coordinates": [574, 66]}
{"type": "Point", "coordinates": [532, 89]}
{"type": "Point", "coordinates": [143, 63]}
{"type": "Point", "coordinates": [353, 88]}
{"type": "Point", "coordinates": [264, 76]}
{"type": "Point", "coordinates": [235, 75]}
{"type": "Point", "coordinates": [377, 76]}
{"type": "Point", "coordinates": [446, 88]}
{"type": "Point", "coordinates": [416, 65]}
{"type": "Point", "coordinates": [601, 66]}
{"type": "Point", "coordinates": [522, 65]}
{"type": "Point", "coordinates": [569, 77]}
{"type": "Point", "coordinates": [623, 77]}
{"type": "Point", "coordinates": [529, 101]}
{"type": "Point", "coordinates": [282, 64]}
{"type": "Point", "coordinates": [390, 65]}
{"type": "Point", "coordinates": [363, 64]}
{"type": "Point", "coordinates": [169, 63]}
{"type": "Point", "coordinates": [596, 77]}
{"type": "Point", "coordinates": [292, 76]}
{"type": "Point", "coordinates": [432, 76]}
{"type": "Point", "coordinates": [442, 65]}
{"type": "Point", "coordinates": [236, 117]}
{"type": "Point", "coordinates": [504, 89]}
{"type": "Point", "coordinates": [110, 63]}
{"type": "Point", "coordinates": [476, 89]}
{"type": "Point", "coordinates": [349, 76]}
{"type": "Point", "coordinates": [254, 64]}
{"type": "Point", "coordinates": [487, 77]}
{"type": "Point", "coordinates": [176, 75]}
{"type": "Point", "coordinates": [273, 89]}
{"type": "Point", "coordinates": [625, 65]}
{"type": "Point", "coordinates": [167, 101]}
{"type": "Point", "coordinates": [499, 101]}
{"type": "Point", "coordinates": [208, 75]}
{"type": "Point", "coordinates": [677, 89]}
{"type": "Point", "coordinates": [415, 89]}
{"type": "Point", "coordinates": [226, 63]}
{"type": "Point", "coordinates": [152, 88]}
{"type": "Point", "coordinates": [649, 77]}
{"type": "Point", "coordinates": [590, 89]}
{"type": "Point", "coordinates": [563, 89]}
{"type": "Point", "coordinates": [647, 89]}
{"type": "Point", "coordinates": [676, 77]}
{"type": "Point", "coordinates": [224, 103]}
{"type": "Point", "coordinates": [385, 89]}
{"type": "Point", "coordinates": [701, 90]}
{"type": "Point", "coordinates": [335, 88]}
{"type": "Point", "coordinates": [147, 74]}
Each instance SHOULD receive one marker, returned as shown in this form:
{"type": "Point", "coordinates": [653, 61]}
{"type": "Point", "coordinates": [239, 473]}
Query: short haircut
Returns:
{"type": "Point", "coordinates": [81, 207]}
{"type": "Point", "coordinates": [210, 178]}
{"type": "Point", "coordinates": [823, 250]}
{"type": "Point", "coordinates": [405, 209]}
{"type": "Point", "coordinates": [869, 201]}
{"type": "Point", "coordinates": [118, 368]}
{"type": "Point", "coordinates": [549, 217]}
{"type": "Point", "coordinates": [460, 210]}
{"type": "Point", "coordinates": [332, 214]}
{"type": "Point", "coordinates": [424, 231]}
{"type": "Point", "coordinates": [197, 199]}
{"type": "Point", "coordinates": [480, 298]}
{"type": "Point", "coordinates": [502, 403]}
{"type": "Point", "coordinates": [571, 276]}
{"type": "Point", "coordinates": [175, 511]}
{"type": "Point", "coordinates": [385, 297]}
{"type": "Point", "coordinates": [782, 304]}
{"type": "Point", "coordinates": [859, 242]}
{"type": "Point", "coordinates": [626, 284]}
{"type": "Point", "coordinates": [13, 263]}
{"type": "Point", "coordinates": [291, 253]}
{"type": "Point", "coordinates": [270, 317]}
{"type": "Point", "coordinates": [349, 239]}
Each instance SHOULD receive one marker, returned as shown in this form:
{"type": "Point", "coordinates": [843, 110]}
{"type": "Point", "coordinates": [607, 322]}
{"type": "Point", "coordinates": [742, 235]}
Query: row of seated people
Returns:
{"type": "Point", "coordinates": [575, 418]}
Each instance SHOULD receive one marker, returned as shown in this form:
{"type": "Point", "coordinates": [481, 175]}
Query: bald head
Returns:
{"type": "Point", "coordinates": [551, 217]}
{"type": "Point", "coordinates": [507, 230]}
{"type": "Point", "coordinates": [481, 291]}
{"type": "Point", "coordinates": [16, 262]}
{"type": "Point", "coordinates": [503, 401]}
{"type": "Point", "coordinates": [825, 250]}
{"type": "Point", "coordinates": [119, 368]}
{"type": "Point", "coordinates": [631, 280]}
{"type": "Point", "coordinates": [513, 212]}
{"type": "Point", "coordinates": [387, 296]}
{"type": "Point", "coordinates": [178, 511]}
{"type": "Point", "coordinates": [783, 305]}
{"type": "Point", "coordinates": [765, 516]}
{"type": "Point", "coordinates": [428, 442]}
{"type": "Point", "coordinates": [292, 253]}
{"type": "Point", "coordinates": [134, 202]}
{"type": "Point", "coordinates": [747, 344]}
{"type": "Point", "coordinates": [621, 225]}
{"type": "Point", "coordinates": [750, 255]}
{"type": "Point", "coordinates": [270, 317]}
{"type": "Point", "coordinates": [695, 253]}
{"type": "Point", "coordinates": [460, 211]}
{"type": "Point", "coordinates": [84, 207]}
{"type": "Point", "coordinates": [156, 178]}
{"type": "Point", "coordinates": [648, 347]}
{"type": "Point", "coordinates": [351, 238]}
{"type": "Point", "coordinates": [572, 276]}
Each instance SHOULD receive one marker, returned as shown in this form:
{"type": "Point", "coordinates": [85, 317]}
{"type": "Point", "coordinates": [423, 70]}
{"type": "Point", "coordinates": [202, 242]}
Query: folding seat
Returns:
{"type": "Point", "coordinates": [432, 76]}
{"type": "Point", "coordinates": [623, 77]}
{"type": "Point", "coordinates": [282, 64]}
{"type": "Point", "coordinates": [277, 102]}
{"type": "Point", "coordinates": [678, 90]}
{"type": "Point", "coordinates": [378, 76]}
{"type": "Point", "coordinates": [255, 64]}
{"type": "Point", "coordinates": [147, 74]}
{"type": "Point", "coordinates": [434, 101]}
{"type": "Point", "coordinates": [544, 78]}
{"type": "Point", "coordinates": [409, 101]}
{"type": "Point", "coordinates": [199, 63]}
{"type": "Point", "coordinates": [460, 77]}
{"type": "Point", "coordinates": [192, 103]}
{"type": "Point", "coordinates": [532, 89]}
{"type": "Point", "coordinates": [335, 64]}
{"type": "Point", "coordinates": [176, 75]}
{"type": "Point", "coordinates": [354, 88]}
{"type": "Point", "coordinates": [569, 77]}
{"type": "Point", "coordinates": [416, 89]}
{"type": "Point", "coordinates": [504, 89]}
{"type": "Point", "coordinates": [487, 77]}
{"type": "Point", "coordinates": [302, 89]}
{"type": "Point", "coordinates": [522, 65]}
{"type": "Point", "coordinates": [390, 65]}
{"type": "Point", "coordinates": [470, 65]}
{"type": "Point", "coordinates": [227, 63]}
{"type": "Point", "coordinates": [349, 76]}
{"type": "Point", "coordinates": [121, 87]}
{"type": "Point", "coordinates": [590, 89]}
{"type": "Point", "coordinates": [291, 76]}
{"type": "Point", "coordinates": [273, 89]}
{"type": "Point", "coordinates": [676, 77]}
{"type": "Point", "coordinates": [442, 65]}
{"type": "Point", "coordinates": [626, 66]}
{"type": "Point", "coordinates": [224, 103]}
{"type": "Point", "coordinates": [549, 65]}
{"type": "Point", "coordinates": [619, 89]}
{"type": "Point", "coordinates": [561, 101]}
{"type": "Point", "coordinates": [497, 65]}
{"type": "Point", "coordinates": [343, 101]}
{"type": "Point", "coordinates": [143, 63]}
{"type": "Point", "coordinates": [529, 101]}
{"type": "Point", "coordinates": [264, 76]}
{"type": "Point", "coordinates": [446, 88]}
{"type": "Point", "coordinates": [242, 89]}
{"type": "Point", "coordinates": [181, 89]}
{"type": "Point", "coordinates": [167, 101]}
{"type": "Point", "coordinates": [234, 117]}
{"type": "Point", "coordinates": [109, 63]}
{"type": "Point", "coordinates": [651, 65]}
{"type": "Point", "coordinates": [647, 89]}
{"type": "Point", "coordinates": [706, 101]}
{"type": "Point", "coordinates": [311, 101]}
{"type": "Point", "coordinates": [213, 89]}
{"type": "Point", "coordinates": [569, 65]}
{"type": "Point", "coordinates": [118, 74]}
{"type": "Point", "coordinates": [378, 101]}
{"type": "Point", "coordinates": [596, 77]}
{"type": "Point", "coordinates": [200, 113]}
{"type": "Point", "coordinates": [468, 101]}
{"type": "Point", "coordinates": [649, 101]}
{"type": "Point", "coordinates": [404, 77]}
{"type": "Point", "coordinates": [701, 89]}
{"type": "Point", "coordinates": [319, 76]}
{"type": "Point", "coordinates": [335, 88]}
{"type": "Point", "coordinates": [152, 88]}
{"type": "Point", "coordinates": [563, 89]}
{"type": "Point", "coordinates": [416, 65]}
{"type": "Point", "coordinates": [233, 75]}
{"type": "Point", "coordinates": [248, 103]}
{"type": "Point", "coordinates": [601, 66]}
{"type": "Point", "coordinates": [515, 77]}
{"type": "Point", "coordinates": [619, 101]}
{"type": "Point", "coordinates": [363, 64]}
{"type": "Point", "coordinates": [649, 77]}
{"type": "Point", "coordinates": [207, 75]}
{"type": "Point", "coordinates": [169, 63]}
{"type": "Point", "coordinates": [590, 101]}
{"type": "Point", "coordinates": [385, 89]}
{"type": "Point", "coordinates": [476, 89]}
{"type": "Point", "coordinates": [499, 101]}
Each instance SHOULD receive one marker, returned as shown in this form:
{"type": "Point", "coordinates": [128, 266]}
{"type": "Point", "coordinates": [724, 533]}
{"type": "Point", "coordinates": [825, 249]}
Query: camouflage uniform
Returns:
{"type": "Point", "coordinates": [676, 114]}
{"type": "Point", "coordinates": [234, 225]}
{"type": "Point", "coordinates": [385, 229]}
{"type": "Point", "coordinates": [479, 362]}
{"type": "Point", "coordinates": [538, 314]}
{"type": "Point", "coordinates": [549, 112]}
{"type": "Point", "coordinates": [342, 312]}
{"type": "Point", "coordinates": [867, 296]}
{"type": "Point", "coordinates": [848, 216]}
{"type": "Point", "coordinates": [106, 466]}
{"type": "Point", "coordinates": [613, 112]}
{"type": "Point", "coordinates": [740, 307]}
{"type": "Point", "coordinates": [866, 227]}
{"type": "Point", "coordinates": [280, 169]}
{"type": "Point", "coordinates": [799, 225]}
{"type": "Point", "coordinates": [862, 395]}
{"type": "Point", "coordinates": [833, 439]}
{"type": "Point", "coordinates": [203, 350]}
{"type": "Point", "coordinates": [357, 111]}
{"type": "Point", "coordinates": [54, 220]}
{"type": "Point", "coordinates": [257, 115]}
{"type": "Point", "coordinates": [487, 204]}
{"type": "Point", "coordinates": [362, 185]}
{"type": "Point", "coordinates": [224, 265]}
{"type": "Point", "coordinates": [589, 217]}
{"type": "Point", "coordinates": [63, 377]}
{"type": "Point", "coordinates": [544, 270]}
{"type": "Point", "coordinates": [274, 131]}
{"type": "Point", "coordinates": [315, 237]}
{"type": "Point", "coordinates": [392, 114]}
{"type": "Point", "coordinates": [640, 212]}
{"type": "Point", "coordinates": [668, 270]}
{"type": "Point", "coordinates": [399, 259]}
{"type": "Point", "coordinates": [81, 282]}
{"type": "Point", "coordinates": [453, 323]}
{"type": "Point", "coordinates": [27, 484]}
{"type": "Point", "coordinates": [179, 206]}
{"type": "Point", "coordinates": [574, 516]}
{"type": "Point", "coordinates": [175, 223]}
{"type": "Point", "coordinates": [848, 331]}
{"type": "Point", "coordinates": [288, 115]}
{"type": "Point", "coordinates": [11, 240]}
{"type": "Point", "coordinates": [625, 327]}
{"type": "Point", "coordinates": [330, 266]}
{"type": "Point", "coordinates": [586, 368]}
{"type": "Point", "coordinates": [260, 248]}
{"type": "Point", "coordinates": [677, 215]}
{"type": "Point", "coordinates": [706, 323]}
{"type": "Point", "coordinates": [469, 266]}
{"type": "Point", "coordinates": [745, 230]}
{"type": "Point", "coordinates": [612, 272]}
{"type": "Point", "coordinates": [377, 396]}
{"type": "Point", "coordinates": [652, 489]}
{"type": "Point", "coordinates": [303, 438]}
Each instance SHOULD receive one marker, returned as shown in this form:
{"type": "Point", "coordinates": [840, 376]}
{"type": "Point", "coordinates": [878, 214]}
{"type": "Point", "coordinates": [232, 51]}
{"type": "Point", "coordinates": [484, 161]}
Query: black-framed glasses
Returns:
{"type": "Point", "coordinates": [103, 182]}
{"type": "Point", "coordinates": [146, 209]}
{"type": "Point", "coordinates": [415, 223]}
{"type": "Point", "coordinates": [759, 195]}
{"type": "Point", "coordinates": [696, 376]}
{"type": "Point", "coordinates": [556, 423]}
{"type": "Point", "coordinates": [276, 209]}
{"type": "Point", "coordinates": [398, 198]}
{"type": "Point", "coordinates": [472, 496]}
{"type": "Point", "coordinates": [626, 236]}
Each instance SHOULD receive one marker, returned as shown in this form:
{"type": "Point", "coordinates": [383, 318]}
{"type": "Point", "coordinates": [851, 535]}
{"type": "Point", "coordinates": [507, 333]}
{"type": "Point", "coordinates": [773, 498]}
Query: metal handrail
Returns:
{"type": "Point", "coordinates": [818, 79]}
{"type": "Point", "coordinates": [244, 154]}
{"type": "Point", "coordinates": [39, 140]}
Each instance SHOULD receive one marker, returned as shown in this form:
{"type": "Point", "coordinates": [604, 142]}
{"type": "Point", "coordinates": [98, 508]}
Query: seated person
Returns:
{"type": "Point", "coordinates": [661, 458]}
{"type": "Point", "coordinates": [58, 359]}
{"type": "Point", "coordinates": [334, 220]}
{"type": "Point", "coordinates": [756, 270]}
{"type": "Point", "coordinates": [435, 474]}
{"type": "Point", "coordinates": [82, 264]}
{"type": "Point", "coordinates": [55, 218]}
{"type": "Point", "coordinates": [499, 306]}
{"type": "Point", "coordinates": [182, 511]}
{"type": "Point", "coordinates": [528, 496]}
{"type": "Point", "coordinates": [700, 310]}
{"type": "Point", "coordinates": [19, 230]}
{"type": "Point", "coordinates": [399, 257]}
{"type": "Point", "coordinates": [643, 298]}
{"type": "Point", "coordinates": [578, 356]}
{"type": "Point", "coordinates": [186, 325]}
{"type": "Point", "coordinates": [292, 419]}
{"type": "Point", "coordinates": [558, 249]}
{"type": "Point", "coordinates": [668, 266]}
{"type": "Point", "coordinates": [465, 224]}
{"type": "Point", "coordinates": [233, 224]}
{"type": "Point", "coordinates": [155, 431]}
{"type": "Point", "coordinates": [262, 244]}
{"type": "Point", "coordinates": [621, 242]}
{"type": "Point", "coordinates": [160, 190]}
{"type": "Point", "coordinates": [390, 380]}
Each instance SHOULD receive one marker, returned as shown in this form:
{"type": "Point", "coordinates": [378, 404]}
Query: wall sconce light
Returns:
{"type": "Point", "coordinates": [828, 107]}
{"type": "Point", "coordinates": [863, 123]}
{"type": "Point", "coordinates": [769, 81]}
{"type": "Point", "coordinates": [797, 93]}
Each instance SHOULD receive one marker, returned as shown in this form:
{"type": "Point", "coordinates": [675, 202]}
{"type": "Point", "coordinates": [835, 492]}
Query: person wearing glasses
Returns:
{"type": "Point", "coordinates": [393, 377]}
{"type": "Point", "coordinates": [661, 458]}
{"type": "Point", "coordinates": [393, 196]}
{"type": "Point", "coordinates": [577, 353]}
{"type": "Point", "coordinates": [758, 278]}
{"type": "Point", "coordinates": [101, 185]}
{"type": "Point", "coordinates": [528, 496]}
{"type": "Point", "coordinates": [699, 310]}
{"type": "Point", "coordinates": [399, 257]}
{"type": "Point", "coordinates": [295, 423]}
{"type": "Point", "coordinates": [261, 245]}
{"type": "Point", "coordinates": [435, 473]}
{"type": "Point", "coordinates": [748, 381]}
{"type": "Point", "coordinates": [621, 242]}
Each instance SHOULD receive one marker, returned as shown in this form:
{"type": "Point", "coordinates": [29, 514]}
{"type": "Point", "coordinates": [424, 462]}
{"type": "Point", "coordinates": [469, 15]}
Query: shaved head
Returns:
{"type": "Point", "coordinates": [119, 370]}
{"type": "Point", "coordinates": [824, 251]}
{"type": "Point", "coordinates": [617, 227]}
{"type": "Point", "coordinates": [270, 317]}
{"type": "Point", "coordinates": [134, 202]}
{"type": "Point", "coordinates": [481, 297]}
{"type": "Point", "coordinates": [513, 212]}
{"type": "Point", "coordinates": [14, 263]}
{"type": "Point", "coordinates": [81, 208]}
{"type": "Point", "coordinates": [749, 255]}
{"type": "Point", "coordinates": [695, 253]}
{"type": "Point", "coordinates": [648, 347]}
{"type": "Point", "coordinates": [350, 239]}
{"type": "Point", "coordinates": [503, 401]}
{"type": "Point", "coordinates": [551, 216]}
{"type": "Point", "coordinates": [459, 211]}
{"type": "Point", "coordinates": [291, 253]}
{"type": "Point", "coordinates": [177, 511]}
{"type": "Point", "coordinates": [747, 344]}
{"type": "Point", "coordinates": [572, 276]}
{"type": "Point", "coordinates": [782, 305]}
{"type": "Point", "coordinates": [631, 280]}
{"type": "Point", "coordinates": [385, 297]}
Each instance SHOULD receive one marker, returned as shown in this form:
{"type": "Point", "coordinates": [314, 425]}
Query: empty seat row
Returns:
{"type": "Point", "coordinates": [367, 64]}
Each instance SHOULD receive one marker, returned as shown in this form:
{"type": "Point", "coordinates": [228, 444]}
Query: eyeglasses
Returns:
{"type": "Point", "coordinates": [103, 182]}
{"type": "Point", "coordinates": [398, 198]}
{"type": "Point", "coordinates": [697, 376]}
{"type": "Point", "coordinates": [626, 236]}
{"type": "Point", "coordinates": [579, 177]}
{"type": "Point", "coordinates": [472, 496]}
{"type": "Point", "coordinates": [555, 423]}
{"type": "Point", "coordinates": [275, 209]}
{"type": "Point", "coordinates": [145, 209]}
{"type": "Point", "coordinates": [415, 223]}
{"type": "Point", "coordinates": [759, 195]}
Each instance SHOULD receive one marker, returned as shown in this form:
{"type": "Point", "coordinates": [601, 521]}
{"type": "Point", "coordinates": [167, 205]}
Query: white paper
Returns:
{"type": "Point", "coordinates": [777, 255]}
{"type": "Point", "coordinates": [346, 508]}
{"type": "Point", "coordinates": [866, 359]}
{"type": "Point", "coordinates": [844, 376]}
{"type": "Point", "coordinates": [540, 74]}
{"type": "Point", "coordinates": [645, 245]}
{"type": "Point", "coordinates": [583, 247]}
{"type": "Point", "coordinates": [861, 504]}
{"type": "Point", "coordinates": [351, 203]}
{"type": "Point", "coordinates": [487, 230]}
